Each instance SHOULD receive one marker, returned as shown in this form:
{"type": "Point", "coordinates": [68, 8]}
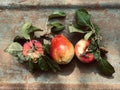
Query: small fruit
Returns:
{"type": "Point", "coordinates": [61, 50]}
{"type": "Point", "coordinates": [80, 51]}
{"type": "Point", "coordinates": [34, 49]}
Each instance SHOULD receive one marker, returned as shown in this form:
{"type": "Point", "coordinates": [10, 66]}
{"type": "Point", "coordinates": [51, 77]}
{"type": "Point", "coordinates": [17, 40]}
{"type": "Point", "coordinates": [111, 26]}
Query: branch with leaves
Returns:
{"type": "Point", "coordinates": [28, 49]}
{"type": "Point", "coordinates": [85, 26]}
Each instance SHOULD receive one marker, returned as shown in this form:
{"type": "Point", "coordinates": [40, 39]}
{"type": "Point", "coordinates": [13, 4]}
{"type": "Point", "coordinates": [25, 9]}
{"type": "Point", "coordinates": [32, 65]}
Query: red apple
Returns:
{"type": "Point", "coordinates": [61, 50]}
{"type": "Point", "coordinates": [80, 51]}
{"type": "Point", "coordinates": [33, 48]}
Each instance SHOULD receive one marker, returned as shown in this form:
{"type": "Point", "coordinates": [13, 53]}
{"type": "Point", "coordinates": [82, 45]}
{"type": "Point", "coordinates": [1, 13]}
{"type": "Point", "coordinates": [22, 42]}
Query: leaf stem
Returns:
{"type": "Point", "coordinates": [93, 29]}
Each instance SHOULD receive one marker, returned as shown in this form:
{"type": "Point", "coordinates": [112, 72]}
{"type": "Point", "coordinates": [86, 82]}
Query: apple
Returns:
{"type": "Point", "coordinates": [81, 49]}
{"type": "Point", "coordinates": [61, 49]}
{"type": "Point", "coordinates": [33, 49]}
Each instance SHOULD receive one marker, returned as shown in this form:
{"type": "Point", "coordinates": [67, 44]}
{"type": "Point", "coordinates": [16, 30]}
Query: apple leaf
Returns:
{"type": "Point", "coordinates": [88, 35]}
{"type": "Point", "coordinates": [14, 48]}
{"type": "Point", "coordinates": [46, 48]}
{"type": "Point", "coordinates": [57, 14]}
{"type": "Point", "coordinates": [105, 67]}
{"type": "Point", "coordinates": [43, 64]}
{"type": "Point", "coordinates": [19, 39]}
{"type": "Point", "coordinates": [30, 65]}
{"type": "Point", "coordinates": [27, 29]}
{"type": "Point", "coordinates": [56, 27]}
{"type": "Point", "coordinates": [82, 17]}
{"type": "Point", "coordinates": [52, 65]}
{"type": "Point", "coordinates": [24, 30]}
{"type": "Point", "coordinates": [74, 29]}
{"type": "Point", "coordinates": [22, 58]}
{"type": "Point", "coordinates": [33, 29]}
{"type": "Point", "coordinates": [97, 29]}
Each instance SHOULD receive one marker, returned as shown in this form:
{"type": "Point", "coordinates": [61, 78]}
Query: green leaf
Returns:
{"type": "Point", "coordinates": [88, 35]}
{"type": "Point", "coordinates": [24, 30]}
{"type": "Point", "coordinates": [82, 17]}
{"type": "Point", "coordinates": [56, 27]}
{"type": "Point", "coordinates": [52, 65]}
{"type": "Point", "coordinates": [33, 29]}
{"type": "Point", "coordinates": [19, 39]}
{"type": "Point", "coordinates": [14, 48]}
{"type": "Point", "coordinates": [97, 29]}
{"type": "Point", "coordinates": [22, 58]}
{"type": "Point", "coordinates": [92, 46]}
{"type": "Point", "coordinates": [46, 48]}
{"type": "Point", "coordinates": [96, 55]}
{"type": "Point", "coordinates": [105, 67]}
{"type": "Point", "coordinates": [43, 64]}
{"type": "Point", "coordinates": [27, 29]}
{"type": "Point", "coordinates": [74, 29]}
{"type": "Point", "coordinates": [57, 14]}
{"type": "Point", "coordinates": [30, 65]}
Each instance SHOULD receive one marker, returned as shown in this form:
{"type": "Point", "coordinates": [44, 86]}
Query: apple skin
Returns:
{"type": "Point", "coordinates": [86, 58]}
{"type": "Point", "coordinates": [61, 49]}
{"type": "Point", "coordinates": [80, 51]}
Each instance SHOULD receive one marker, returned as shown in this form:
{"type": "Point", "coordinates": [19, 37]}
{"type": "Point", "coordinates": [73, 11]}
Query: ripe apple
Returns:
{"type": "Point", "coordinates": [61, 50]}
{"type": "Point", "coordinates": [80, 51]}
{"type": "Point", "coordinates": [33, 48]}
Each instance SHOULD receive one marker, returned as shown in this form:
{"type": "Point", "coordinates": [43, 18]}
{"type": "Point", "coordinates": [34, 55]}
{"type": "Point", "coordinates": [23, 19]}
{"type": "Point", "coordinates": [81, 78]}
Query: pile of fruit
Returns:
{"type": "Point", "coordinates": [34, 52]}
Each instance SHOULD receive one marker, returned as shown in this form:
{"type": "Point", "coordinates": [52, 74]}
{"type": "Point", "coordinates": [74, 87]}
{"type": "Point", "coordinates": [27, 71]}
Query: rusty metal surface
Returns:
{"type": "Point", "coordinates": [13, 13]}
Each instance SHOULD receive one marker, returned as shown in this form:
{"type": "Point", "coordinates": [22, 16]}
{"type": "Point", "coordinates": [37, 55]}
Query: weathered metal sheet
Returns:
{"type": "Point", "coordinates": [13, 13]}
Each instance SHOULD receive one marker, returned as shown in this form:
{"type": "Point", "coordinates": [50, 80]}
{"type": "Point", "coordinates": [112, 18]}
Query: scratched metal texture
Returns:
{"type": "Point", "coordinates": [74, 76]}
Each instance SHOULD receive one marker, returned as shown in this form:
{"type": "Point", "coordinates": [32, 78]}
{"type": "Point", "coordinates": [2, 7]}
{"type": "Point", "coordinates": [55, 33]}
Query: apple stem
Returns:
{"type": "Point", "coordinates": [84, 55]}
